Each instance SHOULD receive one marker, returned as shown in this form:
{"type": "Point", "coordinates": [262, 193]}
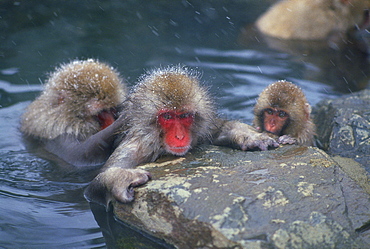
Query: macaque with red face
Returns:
{"type": "Point", "coordinates": [282, 110]}
{"type": "Point", "coordinates": [168, 112]}
{"type": "Point", "coordinates": [74, 116]}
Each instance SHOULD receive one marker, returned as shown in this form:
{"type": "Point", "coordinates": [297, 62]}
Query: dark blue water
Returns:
{"type": "Point", "coordinates": [41, 204]}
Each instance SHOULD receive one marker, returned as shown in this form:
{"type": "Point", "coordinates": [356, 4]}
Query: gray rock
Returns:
{"type": "Point", "coordinates": [215, 197]}
{"type": "Point", "coordinates": [343, 126]}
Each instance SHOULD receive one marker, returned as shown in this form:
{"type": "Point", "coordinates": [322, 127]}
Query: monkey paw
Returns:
{"type": "Point", "coordinates": [123, 187]}
{"type": "Point", "coordinates": [257, 140]}
{"type": "Point", "coordinates": [115, 183]}
{"type": "Point", "coordinates": [286, 139]}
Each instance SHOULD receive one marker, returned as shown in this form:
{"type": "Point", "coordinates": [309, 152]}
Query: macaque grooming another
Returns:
{"type": "Point", "coordinates": [73, 116]}
{"type": "Point", "coordinates": [282, 110]}
{"type": "Point", "coordinates": [168, 112]}
{"type": "Point", "coordinates": [311, 19]}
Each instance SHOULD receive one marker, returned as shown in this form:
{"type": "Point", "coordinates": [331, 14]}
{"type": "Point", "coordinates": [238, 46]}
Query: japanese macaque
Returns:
{"type": "Point", "coordinates": [74, 116]}
{"type": "Point", "coordinates": [282, 110]}
{"type": "Point", "coordinates": [168, 112]}
{"type": "Point", "coordinates": [311, 19]}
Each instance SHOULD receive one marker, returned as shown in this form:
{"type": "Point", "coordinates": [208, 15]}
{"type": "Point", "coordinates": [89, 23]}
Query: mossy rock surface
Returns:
{"type": "Point", "coordinates": [216, 197]}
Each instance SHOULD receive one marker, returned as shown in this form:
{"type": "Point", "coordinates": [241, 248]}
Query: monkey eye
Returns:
{"type": "Point", "coordinates": [167, 115]}
{"type": "Point", "coordinates": [168, 118]}
{"type": "Point", "coordinates": [282, 114]}
{"type": "Point", "coordinates": [269, 111]}
{"type": "Point", "coordinates": [186, 115]}
{"type": "Point", "coordinates": [186, 118]}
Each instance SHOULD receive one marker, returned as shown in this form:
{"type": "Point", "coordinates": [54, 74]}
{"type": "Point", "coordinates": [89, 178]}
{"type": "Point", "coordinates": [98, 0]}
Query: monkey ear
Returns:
{"type": "Point", "coordinates": [307, 110]}
{"type": "Point", "coordinates": [58, 99]}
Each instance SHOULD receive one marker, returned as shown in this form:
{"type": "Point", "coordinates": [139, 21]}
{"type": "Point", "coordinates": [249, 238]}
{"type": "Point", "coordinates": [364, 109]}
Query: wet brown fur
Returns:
{"type": "Point", "coordinates": [73, 95]}
{"type": "Point", "coordinates": [311, 19]}
{"type": "Point", "coordinates": [141, 139]}
{"type": "Point", "coordinates": [290, 98]}
{"type": "Point", "coordinates": [172, 88]}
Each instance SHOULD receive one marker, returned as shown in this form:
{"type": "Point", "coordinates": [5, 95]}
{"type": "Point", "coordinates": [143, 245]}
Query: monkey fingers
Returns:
{"type": "Point", "coordinates": [243, 136]}
{"type": "Point", "coordinates": [123, 189]}
{"type": "Point", "coordinates": [259, 140]}
{"type": "Point", "coordinates": [249, 139]}
{"type": "Point", "coordinates": [115, 183]}
{"type": "Point", "coordinates": [286, 139]}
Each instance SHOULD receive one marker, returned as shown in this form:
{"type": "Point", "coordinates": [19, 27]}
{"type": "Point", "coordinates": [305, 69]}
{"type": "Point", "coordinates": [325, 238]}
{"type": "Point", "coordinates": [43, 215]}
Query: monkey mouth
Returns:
{"type": "Point", "coordinates": [277, 133]}
{"type": "Point", "coordinates": [179, 151]}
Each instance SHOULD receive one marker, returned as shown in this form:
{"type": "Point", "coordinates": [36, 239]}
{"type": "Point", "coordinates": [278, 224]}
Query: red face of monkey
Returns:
{"type": "Point", "coordinates": [106, 118]}
{"type": "Point", "coordinates": [176, 129]}
{"type": "Point", "coordinates": [275, 120]}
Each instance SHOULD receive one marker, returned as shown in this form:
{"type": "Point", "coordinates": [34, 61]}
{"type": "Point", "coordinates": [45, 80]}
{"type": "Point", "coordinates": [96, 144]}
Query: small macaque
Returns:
{"type": "Point", "coordinates": [74, 117]}
{"type": "Point", "coordinates": [311, 19]}
{"type": "Point", "coordinates": [168, 112]}
{"type": "Point", "coordinates": [282, 110]}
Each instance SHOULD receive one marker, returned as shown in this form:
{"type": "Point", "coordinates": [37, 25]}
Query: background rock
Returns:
{"type": "Point", "coordinates": [343, 126]}
{"type": "Point", "coordinates": [215, 197]}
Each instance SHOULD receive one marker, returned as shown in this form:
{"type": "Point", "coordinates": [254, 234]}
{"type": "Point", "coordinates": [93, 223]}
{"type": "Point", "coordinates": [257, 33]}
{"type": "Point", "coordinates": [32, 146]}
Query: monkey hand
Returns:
{"type": "Point", "coordinates": [115, 183]}
{"type": "Point", "coordinates": [243, 137]}
{"type": "Point", "coordinates": [252, 140]}
{"type": "Point", "coordinates": [123, 186]}
{"type": "Point", "coordinates": [286, 139]}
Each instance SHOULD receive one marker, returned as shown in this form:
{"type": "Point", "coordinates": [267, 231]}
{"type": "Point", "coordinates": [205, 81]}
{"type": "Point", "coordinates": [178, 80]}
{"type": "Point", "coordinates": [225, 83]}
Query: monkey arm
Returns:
{"type": "Point", "coordinates": [94, 150]}
{"type": "Point", "coordinates": [115, 183]}
{"type": "Point", "coordinates": [118, 178]}
{"type": "Point", "coordinates": [241, 136]}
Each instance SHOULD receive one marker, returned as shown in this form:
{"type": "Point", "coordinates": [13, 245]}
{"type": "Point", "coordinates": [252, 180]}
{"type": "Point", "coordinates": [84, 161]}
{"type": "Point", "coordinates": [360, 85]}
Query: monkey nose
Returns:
{"type": "Point", "coordinates": [180, 136]}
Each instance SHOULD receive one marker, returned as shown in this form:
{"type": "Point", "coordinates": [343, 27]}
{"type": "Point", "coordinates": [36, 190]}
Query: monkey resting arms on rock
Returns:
{"type": "Point", "coordinates": [282, 110]}
{"type": "Point", "coordinates": [168, 112]}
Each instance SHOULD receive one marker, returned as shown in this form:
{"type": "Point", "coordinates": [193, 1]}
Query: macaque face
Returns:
{"type": "Point", "coordinates": [275, 120]}
{"type": "Point", "coordinates": [107, 117]}
{"type": "Point", "coordinates": [176, 130]}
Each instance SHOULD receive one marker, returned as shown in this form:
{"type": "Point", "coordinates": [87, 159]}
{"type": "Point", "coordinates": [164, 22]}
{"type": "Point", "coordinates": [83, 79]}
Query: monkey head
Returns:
{"type": "Point", "coordinates": [282, 109]}
{"type": "Point", "coordinates": [80, 99]}
{"type": "Point", "coordinates": [172, 105]}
